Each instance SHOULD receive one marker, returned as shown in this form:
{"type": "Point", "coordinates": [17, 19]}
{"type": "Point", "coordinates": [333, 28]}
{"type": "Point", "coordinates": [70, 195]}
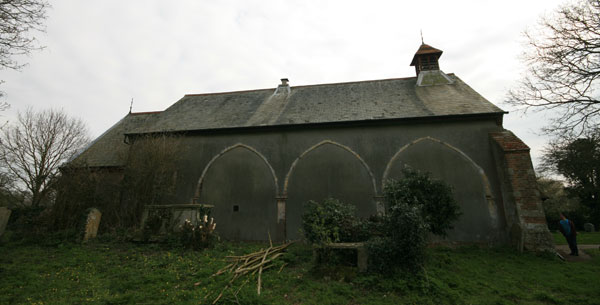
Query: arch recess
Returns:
{"type": "Point", "coordinates": [251, 149]}
{"type": "Point", "coordinates": [348, 149]}
{"type": "Point", "coordinates": [487, 188]}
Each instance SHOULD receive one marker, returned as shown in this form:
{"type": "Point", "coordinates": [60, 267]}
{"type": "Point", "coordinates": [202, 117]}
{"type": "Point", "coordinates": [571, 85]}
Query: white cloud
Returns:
{"type": "Point", "coordinates": [101, 54]}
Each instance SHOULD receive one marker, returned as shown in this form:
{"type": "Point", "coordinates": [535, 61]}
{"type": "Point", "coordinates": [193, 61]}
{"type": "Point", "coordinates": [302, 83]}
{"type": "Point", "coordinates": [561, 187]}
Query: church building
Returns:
{"type": "Point", "coordinates": [258, 155]}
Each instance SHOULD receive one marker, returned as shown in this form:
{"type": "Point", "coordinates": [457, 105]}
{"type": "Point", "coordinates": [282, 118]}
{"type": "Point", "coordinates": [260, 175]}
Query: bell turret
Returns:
{"type": "Point", "coordinates": [428, 68]}
{"type": "Point", "coordinates": [426, 59]}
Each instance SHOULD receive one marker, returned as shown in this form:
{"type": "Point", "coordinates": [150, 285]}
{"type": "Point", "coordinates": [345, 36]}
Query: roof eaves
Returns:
{"type": "Point", "coordinates": [89, 145]}
{"type": "Point", "coordinates": [368, 121]}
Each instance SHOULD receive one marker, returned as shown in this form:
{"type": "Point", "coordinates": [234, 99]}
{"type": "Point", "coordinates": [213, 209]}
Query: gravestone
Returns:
{"type": "Point", "coordinates": [589, 227]}
{"type": "Point", "coordinates": [4, 215]}
{"type": "Point", "coordinates": [91, 224]}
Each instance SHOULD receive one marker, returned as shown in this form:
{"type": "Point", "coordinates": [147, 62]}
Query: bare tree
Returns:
{"type": "Point", "coordinates": [150, 173]}
{"type": "Point", "coordinates": [17, 19]}
{"type": "Point", "coordinates": [33, 148]}
{"type": "Point", "coordinates": [151, 168]}
{"type": "Point", "coordinates": [563, 68]}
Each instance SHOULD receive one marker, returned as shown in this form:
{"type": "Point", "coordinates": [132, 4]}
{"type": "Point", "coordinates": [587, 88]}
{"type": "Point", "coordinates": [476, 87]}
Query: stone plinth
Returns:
{"type": "Point", "coordinates": [362, 256]}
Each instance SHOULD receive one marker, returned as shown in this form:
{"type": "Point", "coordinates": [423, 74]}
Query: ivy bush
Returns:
{"type": "Point", "coordinates": [417, 205]}
{"type": "Point", "coordinates": [328, 222]}
{"type": "Point", "coordinates": [433, 197]}
{"type": "Point", "coordinates": [404, 241]}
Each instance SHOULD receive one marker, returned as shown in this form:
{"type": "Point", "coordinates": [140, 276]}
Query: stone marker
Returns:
{"type": "Point", "coordinates": [589, 227]}
{"type": "Point", "coordinates": [92, 223]}
{"type": "Point", "coordinates": [4, 215]}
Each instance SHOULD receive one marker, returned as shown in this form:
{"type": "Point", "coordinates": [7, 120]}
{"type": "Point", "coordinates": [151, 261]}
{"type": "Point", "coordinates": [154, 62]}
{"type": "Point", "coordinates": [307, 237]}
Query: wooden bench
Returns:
{"type": "Point", "coordinates": [362, 256]}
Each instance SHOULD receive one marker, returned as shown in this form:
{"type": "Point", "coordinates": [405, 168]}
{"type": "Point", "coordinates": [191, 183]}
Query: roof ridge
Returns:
{"type": "Point", "coordinates": [302, 86]}
{"type": "Point", "coordinates": [356, 82]}
{"type": "Point", "coordinates": [228, 92]}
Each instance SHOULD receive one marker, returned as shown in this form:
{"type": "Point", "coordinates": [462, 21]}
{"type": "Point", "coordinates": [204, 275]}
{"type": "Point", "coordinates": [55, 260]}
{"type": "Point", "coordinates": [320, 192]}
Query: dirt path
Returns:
{"type": "Point", "coordinates": [564, 251]}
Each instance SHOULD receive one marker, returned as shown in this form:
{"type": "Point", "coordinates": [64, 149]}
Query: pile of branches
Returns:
{"type": "Point", "coordinates": [249, 265]}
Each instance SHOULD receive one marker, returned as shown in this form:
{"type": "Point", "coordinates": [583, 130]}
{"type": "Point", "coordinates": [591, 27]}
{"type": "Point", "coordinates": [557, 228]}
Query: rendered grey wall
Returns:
{"type": "Point", "coordinates": [344, 162]}
{"type": "Point", "coordinates": [242, 189]}
{"type": "Point", "coordinates": [479, 216]}
{"type": "Point", "coordinates": [328, 171]}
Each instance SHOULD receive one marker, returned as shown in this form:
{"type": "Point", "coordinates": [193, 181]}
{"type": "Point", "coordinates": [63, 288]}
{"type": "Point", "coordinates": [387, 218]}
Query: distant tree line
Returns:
{"type": "Point", "coordinates": [578, 161]}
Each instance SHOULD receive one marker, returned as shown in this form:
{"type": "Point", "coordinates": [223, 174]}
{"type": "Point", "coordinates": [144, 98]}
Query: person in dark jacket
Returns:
{"type": "Point", "coordinates": [567, 228]}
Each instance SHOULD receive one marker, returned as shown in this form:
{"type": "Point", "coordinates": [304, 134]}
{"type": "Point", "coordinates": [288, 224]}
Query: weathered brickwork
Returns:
{"type": "Point", "coordinates": [528, 227]}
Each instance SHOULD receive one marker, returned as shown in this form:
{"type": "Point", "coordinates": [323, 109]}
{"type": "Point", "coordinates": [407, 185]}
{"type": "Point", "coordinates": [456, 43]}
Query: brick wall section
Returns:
{"type": "Point", "coordinates": [530, 221]}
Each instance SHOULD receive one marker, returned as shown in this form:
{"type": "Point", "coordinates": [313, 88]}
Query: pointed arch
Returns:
{"type": "Point", "coordinates": [348, 149]}
{"type": "Point", "coordinates": [240, 145]}
{"type": "Point", "coordinates": [405, 147]}
{"type": "Point", "coordinates": [486, 184]}
{"type": "Point", "coordinates": [327, 170]}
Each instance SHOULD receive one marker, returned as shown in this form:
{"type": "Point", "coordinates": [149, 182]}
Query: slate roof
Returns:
{"type": "Point", "coordinates": [340, 102]}
{"type": "Point", "coordinates": [109, 149]}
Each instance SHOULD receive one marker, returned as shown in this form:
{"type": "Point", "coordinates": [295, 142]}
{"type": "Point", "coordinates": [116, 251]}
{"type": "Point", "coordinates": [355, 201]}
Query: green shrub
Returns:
{"type": "Point", "coordinates": [416, 205]}
{"type": "Point", "coordinates": [403, 245]}
{"type": "Point", "coordinates": [328, 222]}
{"type": "Point", "coordinates": [439, 208]}
{"type": "Point", "coordinates": [30, 223]}
{"type": "Point", "coordinates": [365, 229]}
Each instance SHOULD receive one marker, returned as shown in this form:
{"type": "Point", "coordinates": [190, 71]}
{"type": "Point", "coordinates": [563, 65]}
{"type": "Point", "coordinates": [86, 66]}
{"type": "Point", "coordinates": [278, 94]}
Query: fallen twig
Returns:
{"type": "Point", "coordinates": [281, 268]}
{"type": "Point", "coordinates": [250, 264]}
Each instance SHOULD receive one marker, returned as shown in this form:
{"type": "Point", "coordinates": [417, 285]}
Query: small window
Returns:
{"type": "Point", "coordinates": [236, 208]}
{"type": "Point", "coordinates": [429, 63]}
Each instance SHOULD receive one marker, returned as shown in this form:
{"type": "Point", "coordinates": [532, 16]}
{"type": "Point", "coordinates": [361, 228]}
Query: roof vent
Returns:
{"type": "Point", "coordinates": [285, 81]}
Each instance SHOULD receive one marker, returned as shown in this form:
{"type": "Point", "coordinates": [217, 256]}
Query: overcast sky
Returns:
{"type": "Point", "coordinates": [101, 54]}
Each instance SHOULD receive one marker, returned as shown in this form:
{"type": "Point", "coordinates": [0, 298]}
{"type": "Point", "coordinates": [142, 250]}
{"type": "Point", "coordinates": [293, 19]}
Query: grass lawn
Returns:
{"type": "Point", "coordinates": [583, 238]}
{"type": "Point", "coordinates": [109, 273]}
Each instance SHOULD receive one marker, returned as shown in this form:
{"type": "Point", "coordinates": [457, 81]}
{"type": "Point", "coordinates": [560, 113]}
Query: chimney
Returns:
{"type": "Point", "coordinates": [284, 87]}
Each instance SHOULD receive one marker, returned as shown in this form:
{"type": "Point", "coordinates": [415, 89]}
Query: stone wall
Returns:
{"type": "Point", "coordinates": [523, 209]}
{"type": "Point", "coordinates": [258, 179]}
